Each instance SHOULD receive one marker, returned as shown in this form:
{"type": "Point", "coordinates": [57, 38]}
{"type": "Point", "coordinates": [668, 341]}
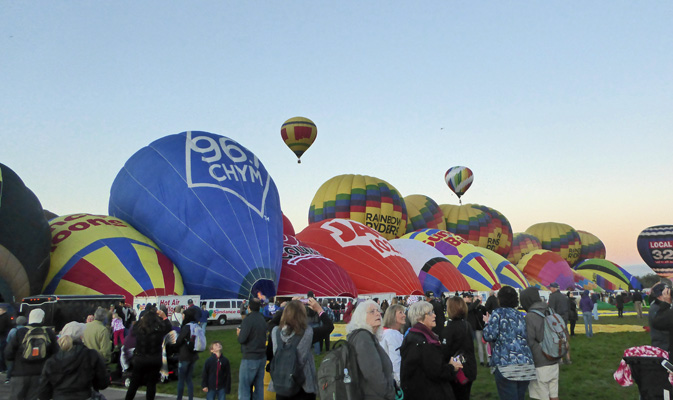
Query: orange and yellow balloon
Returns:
{"type": "Point", "coordinates": [298, 133]}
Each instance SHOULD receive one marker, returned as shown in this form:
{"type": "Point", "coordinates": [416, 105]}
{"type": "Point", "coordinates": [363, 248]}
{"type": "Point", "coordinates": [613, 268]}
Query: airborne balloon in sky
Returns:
{"type": "Point", "coordinates": [211, 207]}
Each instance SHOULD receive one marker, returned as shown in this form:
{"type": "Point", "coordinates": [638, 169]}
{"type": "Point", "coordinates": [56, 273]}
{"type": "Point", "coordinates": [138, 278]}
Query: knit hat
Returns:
{"type": "Point", "coordinates": [554, 285]}
{"type": "Point", "coordinates": [36, 316]}
{"type": "Point", "coordinates": [657, 290]}
{"type": "Point", "coordinates": [74, 329]}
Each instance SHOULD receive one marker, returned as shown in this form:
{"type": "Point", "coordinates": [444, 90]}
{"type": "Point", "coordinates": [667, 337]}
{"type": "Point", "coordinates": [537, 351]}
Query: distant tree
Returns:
{"type": "Point", "coordinates": [652, 279]}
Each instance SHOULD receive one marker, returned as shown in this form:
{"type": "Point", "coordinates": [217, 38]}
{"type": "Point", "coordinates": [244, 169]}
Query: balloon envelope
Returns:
{"type": "Point", "coordinates": [522, 244]}
{"type": "Point", "coordinates": [370, 201]}
{"type": "Point", "coordinates": [98, 254]}
{"type": "Point", "coordinates": [298, 133]}
{"type": "Point", "coordinates": [507, 273]}
{"type": "Point", "coordinates": [500, 238]}
{"type": "Point", "coordinates": [559, 238]}
{"type": "Point", "coordinates": [368, 258]}
{"type": "Point", "coordinates": [474, 267]}
{"type": "Point", "coordinates": [592, 246]}
{"type": "Point", "coordinates": [24, 239]}
{"type": "Point", "coordinates": [211, 206]}
{"type": "Point", "coordinates": [546, 267]}
{"type": "Point", "coordinates": [459, 179]}
{"type": "Point", "coordinates": [288, 229]}
{"type": "Point", "coordinates": [609, 271]}
{"type": "Point", "coordinates": [306, 269]}
{"type": "Point", "coordinates": [655, 245]}
{"type": "Point", "coordinates": [423, 212]}
{"type": "Point", "coordinates": [434, 271]}
{"type": "Point", "coordinates": [473, 225]}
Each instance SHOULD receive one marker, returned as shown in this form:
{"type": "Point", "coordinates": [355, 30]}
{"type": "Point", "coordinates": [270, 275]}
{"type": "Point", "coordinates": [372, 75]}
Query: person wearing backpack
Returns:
{"type": "Point", "coordinates": [293, 373]}
{"type": "Point", "coordinates": [187, 356]}
{"type": "Point", "coordinates": [546, 370]}
{"type": "Point", "coordinates": [29, 349]}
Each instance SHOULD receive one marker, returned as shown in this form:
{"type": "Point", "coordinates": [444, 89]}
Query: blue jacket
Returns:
{"type": "Point", "coordinates": [506, 329]}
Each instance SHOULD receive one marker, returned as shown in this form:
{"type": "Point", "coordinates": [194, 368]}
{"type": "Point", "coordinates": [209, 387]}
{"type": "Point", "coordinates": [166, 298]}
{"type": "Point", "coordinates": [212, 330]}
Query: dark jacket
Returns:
{"type": "Point", "coordinates": [475, 314]}
{"type": "Point", "coordinates": [425, 374]}
{"type": "Point", "coordinates": [659, 338]}
{"type": "Point", "coordinates": [253, 336]}
{"type": "Point", "coordinates": [572, 309]}
{"type": "Point", "coordinates": [149, 344]}
{"type": "Point", "coordinates": [619, 300]}
{"type": "Point", "coordinates": [216, 374]}
{"type": "Point", "coordinates": [663, 321]}
{"type": "Point", "coordinates": [182, 344]}
{"type": "Point", "coordinates": [456, 338]}
{"type": "Point", "coordinates": [440, 318]}
{"type": "Point", "coordinates": [70, 375]}
{"type": "Point", "coordinates": [5, 325]}
{"type": "Point", "coordinates": [559, 303]}
{"type": "Point", "coordinates": [15, 348]}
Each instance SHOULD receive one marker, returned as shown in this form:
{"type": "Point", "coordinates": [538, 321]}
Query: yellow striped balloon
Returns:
{"type": "Point", "coordinates": [298, 133]}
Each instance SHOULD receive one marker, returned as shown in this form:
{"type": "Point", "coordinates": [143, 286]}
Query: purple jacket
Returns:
{"type": "Point", "coordinates": [586, 305]}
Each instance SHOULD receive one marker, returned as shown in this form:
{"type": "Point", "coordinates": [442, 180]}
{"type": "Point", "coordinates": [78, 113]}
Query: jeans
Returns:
{"type": "Point", "coordinates": [586, 316]}
{"type": "Point", "coordinates": [251, 375]}
{"type": "Point", "coordinates": [185, 371]}
{"type": "Point", "coordinates": [481, 347]}
{"type": "Point", "coordinates": [215, 394]}
{"type": "Point", "coordinates": [510, 390]}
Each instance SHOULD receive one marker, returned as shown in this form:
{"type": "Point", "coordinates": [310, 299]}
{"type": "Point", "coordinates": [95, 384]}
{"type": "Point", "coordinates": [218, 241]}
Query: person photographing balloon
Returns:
{"type": "Point", "coordinates": [663, 321]}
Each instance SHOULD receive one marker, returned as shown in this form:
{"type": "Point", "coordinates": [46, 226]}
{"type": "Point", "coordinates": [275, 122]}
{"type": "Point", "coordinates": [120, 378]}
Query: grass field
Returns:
{"type": "Point", "coordinates": [594, 362]}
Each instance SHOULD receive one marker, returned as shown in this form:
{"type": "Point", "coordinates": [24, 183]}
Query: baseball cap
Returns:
{"type": "Point", "coordinates": [554, 285]}
{"type": "Point", "coordinates": [36, 316]}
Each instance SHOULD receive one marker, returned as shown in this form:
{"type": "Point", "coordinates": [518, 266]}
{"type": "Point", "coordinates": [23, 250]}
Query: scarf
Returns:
{"type": "Point", "coordinates": [430, 336]}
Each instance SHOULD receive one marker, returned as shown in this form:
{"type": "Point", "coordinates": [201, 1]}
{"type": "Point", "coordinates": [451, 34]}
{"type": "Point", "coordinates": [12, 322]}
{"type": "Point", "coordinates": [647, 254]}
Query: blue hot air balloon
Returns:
{"type": "Point", "coordinates": [211, 207]}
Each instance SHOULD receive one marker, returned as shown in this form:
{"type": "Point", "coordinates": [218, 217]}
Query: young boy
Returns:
{"type": "Point", "coordinates": [216, 377]}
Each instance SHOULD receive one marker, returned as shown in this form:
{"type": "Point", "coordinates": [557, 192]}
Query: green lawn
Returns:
{"type": "Point", "coordinates": [594, 362]}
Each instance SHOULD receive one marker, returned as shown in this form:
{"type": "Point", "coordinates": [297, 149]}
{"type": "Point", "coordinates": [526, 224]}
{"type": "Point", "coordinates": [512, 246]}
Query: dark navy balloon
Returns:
{"type": "Point", "coordinates": [655, 245]}
{"type": "Point", "coordinates": [212, 208]}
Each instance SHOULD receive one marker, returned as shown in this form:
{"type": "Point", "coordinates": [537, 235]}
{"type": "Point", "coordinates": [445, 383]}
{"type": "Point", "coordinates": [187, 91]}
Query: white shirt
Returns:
{"type": "Point", "coordinates": [391, 342]}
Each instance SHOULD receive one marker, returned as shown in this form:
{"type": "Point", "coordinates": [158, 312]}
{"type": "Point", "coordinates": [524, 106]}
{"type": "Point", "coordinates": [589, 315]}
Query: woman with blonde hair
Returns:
{"type": "Point", "coordinates": [425, 371]}
{"type": "Point", "coordinates": [375, 368]}
{"type": "Point", "coordinates": [457, 339]}
{"type": "Point", "coordinates": [393, 326]}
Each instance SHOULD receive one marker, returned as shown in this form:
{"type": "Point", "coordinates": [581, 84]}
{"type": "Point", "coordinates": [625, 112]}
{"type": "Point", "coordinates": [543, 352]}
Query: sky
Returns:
{"type": "Point", "coordinates": [563, 110]}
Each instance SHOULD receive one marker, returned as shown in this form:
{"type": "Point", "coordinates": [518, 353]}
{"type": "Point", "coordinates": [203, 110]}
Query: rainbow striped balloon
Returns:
{"type": "Point", "coordinates": [365, 199]}
{"type": "Point", "coordinates": [459, 179]}
{"type": "Point", "coordinates": [592, 246]}
{"type": "Point", "coordinates": [422, 213]}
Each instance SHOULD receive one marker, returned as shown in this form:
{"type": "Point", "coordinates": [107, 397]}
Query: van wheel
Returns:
{"type": "Point", "coordinates": [222, 320]}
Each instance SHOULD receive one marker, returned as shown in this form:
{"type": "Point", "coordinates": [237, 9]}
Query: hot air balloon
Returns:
{"type": "Point", "coordinates": [211, 207]}
{"type": "Point", "coordinates": [423, 212]}
{"type": "Point", "coordinates": [474, 267]}
{"type": "Point", "coordinates": [507, 273]}
{"type": "Point", "coordinates": [305, 269]}
{"type": "Point", "coordinates": [368, 258]}
{"type": "Point", "coordinates": [500, 239]}
{"type": "Point", "coordinates": [655, 245]}
{"type": "Point", "coordinates": [24, 239]}
{"type": "Point", "coordinates": [471, 224]}
{"type": "Point", "coordinates": [522, 244]}
{"type": "Point", "coordinates": [559, 238]}
{"type": "Point", "coordinates": [298, 133]}
{"type": "Point", "coordinates": [370, 201]}
{"type": "Point", "coordinates": [592, 246]}
{"type": "Point", "coordinates": [288, 229]}
{"type": "Point", "coordinates": [459, 180]}
{"type": "Point", "coordinates": [609, 271]}
{"type": "Point", "coordinates": [99, 254]}
{"type": "Point", "coordinates": [434, 271]}
{"type": "Point", "coordinates": [546, 267]}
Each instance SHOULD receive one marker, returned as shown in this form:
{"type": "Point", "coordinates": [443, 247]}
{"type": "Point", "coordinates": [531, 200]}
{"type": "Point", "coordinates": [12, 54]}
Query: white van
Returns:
{"type": "Point", "coordinates": [139, 302]}
{"type": "Point", "coordinates": [221, 311]}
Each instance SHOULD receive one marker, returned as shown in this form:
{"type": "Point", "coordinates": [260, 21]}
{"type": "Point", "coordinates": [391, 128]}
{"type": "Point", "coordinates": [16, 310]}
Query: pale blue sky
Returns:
{"type": "Point", "coordinates": [561, 109]}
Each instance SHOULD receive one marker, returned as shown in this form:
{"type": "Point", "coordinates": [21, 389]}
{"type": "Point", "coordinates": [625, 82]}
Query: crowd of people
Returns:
{"type": "Point", "coordinates": [413, 348]}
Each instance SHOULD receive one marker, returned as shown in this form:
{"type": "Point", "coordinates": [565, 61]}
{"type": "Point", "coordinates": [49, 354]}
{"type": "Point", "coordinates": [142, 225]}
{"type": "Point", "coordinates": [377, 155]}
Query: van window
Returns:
{"type": "Point", "coordinates": [222, 304]}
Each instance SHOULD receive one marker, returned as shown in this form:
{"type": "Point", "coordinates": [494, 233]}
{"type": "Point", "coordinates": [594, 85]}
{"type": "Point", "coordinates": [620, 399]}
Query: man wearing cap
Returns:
{"type": "Point", "coordinates": [26, 374]}
{"type": "Point", "coordinates": [659, 338]}
{"type": "Point", "coordinates": [195, 309]}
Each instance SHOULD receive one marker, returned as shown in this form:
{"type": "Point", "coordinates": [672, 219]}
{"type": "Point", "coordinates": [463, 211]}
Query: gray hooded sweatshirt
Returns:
{"type": "Point", "coordinates": [530, 300]}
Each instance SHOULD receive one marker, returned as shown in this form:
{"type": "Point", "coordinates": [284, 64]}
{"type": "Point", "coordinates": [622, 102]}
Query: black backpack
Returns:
{"type": "Point", "coordinates": [286, 373]}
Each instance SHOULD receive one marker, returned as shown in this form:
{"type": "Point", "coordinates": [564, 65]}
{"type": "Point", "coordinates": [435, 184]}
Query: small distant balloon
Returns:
{"type": "Point", "coordinates": [459, 180]}
{"type": "Point", "coordinates": [298, 133]}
